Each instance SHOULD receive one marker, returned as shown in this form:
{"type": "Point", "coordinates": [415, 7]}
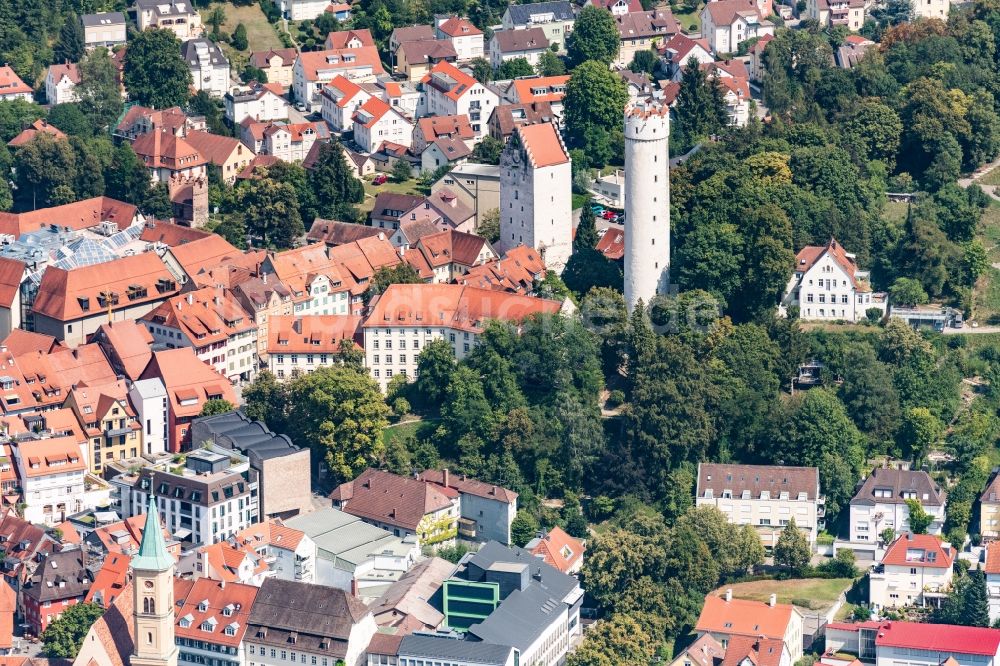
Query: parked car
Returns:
{"type": "Point", "coordinates": [379, 179]}
{"type": "Point", "coordinates": [597, 210]}
{"type": "Point", "coordinates": [301, 106]}
{"type": "Point", "coordinates": [608, 214]}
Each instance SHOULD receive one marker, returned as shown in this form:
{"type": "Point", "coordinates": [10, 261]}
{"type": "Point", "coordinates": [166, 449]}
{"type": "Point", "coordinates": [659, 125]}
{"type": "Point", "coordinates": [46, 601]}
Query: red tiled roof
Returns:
{"type": "Point", "coordinates": [810, 254]}
{"type": "Point", "coordinates": [110, 581]}
{"type": "Point", "coordinates": [458, 27]}
{"type": "Point", "coordinates": [516, 271]}
{"type": "Point", "coordinates": [8, 604]}
{"type": "Point", "coordinates": [540, 89]}
{"type": "Point", "coordinates": [70, 70]}
{"type": "Point", "coordinates": [261, 59]}
{"type": "Point", "coordinates": [128, 343]}
{"type": "Point", "coordinates": [11, 275]}
{"type": "Point", "coordinates": [462, 81]}
{"type": "Point", "coordinates": [58, 455]}
{"type": "Point", "coordinates": [213, 147]}
{"type": "Point", "coordinates": [186, 378]}
{"type": "Point", "coordinates": [347, 88]}
{"type": "Point", "coordinates": [40, 126]}
{"type": "Point", "coordinates": [433, 127]}
{"type": "Point", "coordinates": [158, 231]}
{"type": "Point", "coordinates": [203, 253]}
{"type": "Point", "coordinates": [543, 144]}
{"type": "Point", "coordinates": [633, 5]}
{"type": "Point", "coordinates": [392, 499]}
{"type": "Point", "coordinates": [314, 62]}
{"type": "Point", "coordinates": [215, 598]}
{"type": "Point", "coordinates": [115, 630]}
{"type": "Point", "coordinates": [340, 39]}
{"type": "Point", "coordinates": [163, 149]}
{"type": "Point", "coordinates": [373, 109]}
{"type": "Point", "coordinates": [464, 484]}
{"type": "Point", "coordinates": [320, 334]}
{"type": "Point", "coordinates": [766, 652]}
{"type": "Point", "coordinates": [21, 342]}
{"type": "Point", "coordinates": [559, 549]}
{"type": "Point", "coordinates": [918, 550]}
{"type": "Point", "coordinates": [612, 244]}
{"type": "Point", "coordinates": [740, 617]}
{"type": "Point", "coordinates": [11, 83]}
{"type": "Point", "coordinates": [942, 638]}
{"type": "Point", "coordinates": [204, 316]}
{"type": "Point", "coordinates": [75, 216]}
{"type": "Point", "coordinates": [724, 12]}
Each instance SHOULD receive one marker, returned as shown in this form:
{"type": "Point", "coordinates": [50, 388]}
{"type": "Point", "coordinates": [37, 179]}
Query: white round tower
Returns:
{"type": "Point", "coordinates": [647, 201]}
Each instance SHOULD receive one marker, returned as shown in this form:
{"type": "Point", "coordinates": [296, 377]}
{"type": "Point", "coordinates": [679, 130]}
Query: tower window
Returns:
{"type": "Point", "coordinates": [149, 638]}
{"type": "Point", "coordinates": [148, 605]}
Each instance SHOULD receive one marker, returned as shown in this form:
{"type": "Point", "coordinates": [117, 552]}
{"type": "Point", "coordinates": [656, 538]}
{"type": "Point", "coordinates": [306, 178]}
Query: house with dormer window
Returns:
{"type": "Point", "coordinates": [828, 285]}
{"type": "Point", "coordinates": [211, 620]}
{"type": "Point", "coordinates": [52, 473]}
{"type": "Point", "coordinates": [880, 503]}
{"type": "Point", "coordinates": [916, 570]}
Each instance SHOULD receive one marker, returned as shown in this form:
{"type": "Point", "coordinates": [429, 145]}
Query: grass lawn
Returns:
{"type": "Point", "coordinates": [819, 592]}
{"type": "Point", "coordinates": [371, 191]}
{"type": "Point", "coordinates": [992, 178]}
{"type": "Point", "coordinates": [690, 21]}
{"type": "Point", "coordinates": [419, 428]}
{"type": "Point", "coordinates": [986, 295]}
{"type": "Point", "coordinates": [260, 33]}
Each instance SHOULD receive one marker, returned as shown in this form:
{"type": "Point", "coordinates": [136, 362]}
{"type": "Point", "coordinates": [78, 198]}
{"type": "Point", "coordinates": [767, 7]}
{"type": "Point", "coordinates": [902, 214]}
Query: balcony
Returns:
{"type": "Point", "coordinates": [467, 528]}
{"type": "Point", "coordinates": [117, 432]}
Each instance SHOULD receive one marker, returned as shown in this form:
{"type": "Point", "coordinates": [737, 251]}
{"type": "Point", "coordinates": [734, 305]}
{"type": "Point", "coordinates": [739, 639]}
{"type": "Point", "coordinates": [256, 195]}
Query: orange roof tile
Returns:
{"type": "Point", "coordinates": [75, 216]}
{"type": "Point", "coordinates": [205, 252]}
{"type": "Point", "coordinates": [433, 127]}
{"type": "Point", "coordinates": [740, 617]}
{"type": "Point", "coordinates": [12, 273]}
{"type": "Point", "coordinates": [342, 89]}
{"type": "Point", "coordinates": [11, 83]}
{"type": "Point", "coordinates": [205, 607]}
{"type": "Point", "coordinates": [204, 316]}
{"type": "Point", "coordinates": [923, 551]}
{"type": "Point", "coordinates": [40, 126]}
{"type": "Point", "coordinates": [110, 581]}
{"type": "Point", "coordinates": [215, 148]}
{"type": "Point", "coordinates": [321, 334]}
{"type": "Point", "coordinates": [540, 89]}
{"type": "Point", "coordinates": [458, 27]}
{"type": "Point", "coordinates": [189, 381]}
{"type": "Point", "coordinates": [21, 342]}
{"type": "Point", "coordinates": [161, 148]}
{"type": "Point", "coordinates": [450, 80]}
{"type": "Point", "coordinates": [341, 38]}
{"type": "Point", "coordinates": [58, 455]}
{"type": "Point", "coordinates": [333, 60]}
{"type": "Point", "coordinates": [371, 111]}
{"type": "Point", "coordinates": [543, 144]}
{"type": "Point", "coordinates": [992, 558]}
{"type": "Point", "coordinates": [158, 231]}
{"type": "Point", "coordinates": [115, 630]}
{"type": "Point", "coordinates": [559, 549]}
{"type": "Point", "coordinates": [128, 344]}
{"type": "Point", "coordinates": [612, 244]}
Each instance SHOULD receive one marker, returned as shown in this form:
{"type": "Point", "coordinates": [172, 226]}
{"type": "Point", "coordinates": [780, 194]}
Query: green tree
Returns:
{"type": "Point", "coordinates": [644, 62]}
{"type": "Point", "coordinates": [586, 229]}
{"type": "Point", "coordinates": [401, 273]}
{"type": "Point", "coordinates": [701, 108]}
{"type": "Point", "coordinates": [216, 406]}
{"type": "Point", "coordinates": [515, 68]}
{"type": "Point", "coordinates": [202, 104]}
{"type": "Point", "coordinates": [523, 528]}
{"type": "Point", "coordinates": [975, 602]}
{"type": "Point", "coordinates": [402, 171]}
{"type": "Point", "coordinates": [155, 74]}
{"type": "Point", "coordinates": [157, 202]}
{"type": "Point", "coordinates": [489, 225]}
{"type": "Point", "coordinates": [488, 150]}
{"type": "Point", "coordinates": [335, 187]}
{"type": "Point", "coordinates": [594, 37]}
{"type": "Point", "coordinates": [435, 366]}
{"type": "Point", "coordinates": [919, 519]}
{"type": "Point", "coordinates": [792, 549]}
{"type": "Point", "coordinates": [127, 179]}
{"type": "Point", "coordinates": [768, 257]}
{"type": "Point", "coordinates": [98, 90]}
{"type": "Point", "coordinates": [266, 400]}
{"type": "Point", "coordinates": [239, 41]}
{"type": "Point", "coordinates": [63, 638]}
{"type": "Point", "coordinates": [594, 104]}
{"type": "Point", "coordinates": [550, 64]}
{"type": "Point", "coordinates": [46, 172]}
{"type": "Point", "coordinates": [71, 44]}
{"type": "Point", "coordinates": [340, 413]}
{"type": "Point", "coordinates": [907, 292]}
{"type": "Point", "coordinates": [482, 70]}
{"type": "Point", "coordinates": [15, 115]}
{"type": "Point", "coordinates": [873, 131]}
{"type": "Point", "coordinates": [921, 430]}
{"type": "Point", "coordinates": [70, 119]}
{"type": "Point", "coordinates": [271, 213]}
{"type": "Point", "coordinates": [216, 19]}
{"type": "Point", "coordinates": [617, 641]}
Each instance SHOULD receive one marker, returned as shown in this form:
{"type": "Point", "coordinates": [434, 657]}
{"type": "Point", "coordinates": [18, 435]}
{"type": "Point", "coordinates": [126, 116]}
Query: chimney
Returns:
{"type": "Point", "coordinates": [381, 236]}
{"type": "Point", "coordinates": [444, 476]}
{"type": "Point", "coordinates": [222, 584]}
{"type": "Point", "coordinates": [190, 298]}
{"type": "Point", "coordinates": [729, 594]}
{"type": "Point", "coordinates": [773, 600]}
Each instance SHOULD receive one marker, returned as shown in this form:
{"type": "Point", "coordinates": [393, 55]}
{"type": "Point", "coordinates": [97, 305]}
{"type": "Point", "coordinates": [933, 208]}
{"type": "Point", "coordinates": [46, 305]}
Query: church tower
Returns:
{"type": "Point", "coordinates": [153, 597]}
{"type": "Point", "coordinates": [647, 202]}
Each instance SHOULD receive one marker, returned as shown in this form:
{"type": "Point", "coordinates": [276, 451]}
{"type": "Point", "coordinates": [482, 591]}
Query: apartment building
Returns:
{"type": "Point", "coordinates": [880, 503]}
{"type": "Point", "coordinates": [210, 620]}
{"type": "Point", "coordinates": [407, 317]}
{"type": "Point", "coordinates": [108, 421]}
{"type": "Point", "coordinates": [555, 18]}
{"type": "Point", "coordinates": [451, 91]}
{"type": "Point", "coordinates": [206, 500]}
{"type": "Point", "coordinates": [827, 284]}
{"type": "Point", "coordinates": [375, 122]}
{"type": "Point", "coordinates": [263, 298]}
{"type": "Point", "coordinates": [60, 581]}
{"type": "Point", "coordinates": [465, 37]}
{"type": "Point", "coordinates": [728, 620]}
{"type": "Point", "coordinates": [300, 344]}
{"type": "Point", "coordinates": [179, 16]}
{"type": "Point", "coordinates": [351, 53]}
{"type": "Point", "coordinates": [208, 65]}
{"type": "Point", "coordinates": [764, 496]}
{"type": "Point", "coordinates": [106, 29]}
{"type": "Point", "coordinates": [916, 570]}
{"type": "Point", "coordinates": [341, 99]}
{"type": "Point", "coordinates": [277, 64]}
{"type": "Point", "coordinates": [52, 475]}
{"type": "Point", "coordinates": [213, 323]}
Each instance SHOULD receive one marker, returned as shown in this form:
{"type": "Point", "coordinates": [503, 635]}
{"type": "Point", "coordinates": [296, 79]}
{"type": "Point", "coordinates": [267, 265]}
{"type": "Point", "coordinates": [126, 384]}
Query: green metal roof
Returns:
{"type": "Point", "coordinates": [153, 554]}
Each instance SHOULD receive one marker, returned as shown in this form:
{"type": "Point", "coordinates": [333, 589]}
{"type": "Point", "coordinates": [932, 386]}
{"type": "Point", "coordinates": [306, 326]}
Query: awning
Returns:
{"type": "Point", "coordinates": [182, 533]}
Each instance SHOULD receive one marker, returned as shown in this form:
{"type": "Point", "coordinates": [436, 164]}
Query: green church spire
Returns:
{"type": "Point", "coordinates": [153, 554]}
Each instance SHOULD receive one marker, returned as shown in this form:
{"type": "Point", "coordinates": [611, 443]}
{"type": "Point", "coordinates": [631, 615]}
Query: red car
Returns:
{"type": "Point", "coordinates": [379, 179]}
{"type": "Point", "coordinates": [608, 214]}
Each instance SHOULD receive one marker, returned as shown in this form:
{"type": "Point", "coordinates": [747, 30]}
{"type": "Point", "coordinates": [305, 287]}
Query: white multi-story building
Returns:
{"type": "Point", "coordinates": [179, 16]}
{"type": "Point", "coordinates": [931, 9]}
{"type": "Point", "coordinates": [260, 101]}
{"type": "Point", "coordinates": [647, 202]}
{"type": "Point", "coordinates": [107, 29]}
{"type": "Point", "coordinates": [52, 475]}
{"type": "Point", "coordinates": [149, 399]}
{"type": "Point", "coordinates": [61, 82]}
{"type": "Point", "coordinates": [555, 18]}
{"type": "Point", "coordinates": [890, 643]}
{"type": "Point", "coordinates": [375, 122]}
{"type": "Point", "coordinates": [449, 91]}
{"type": "Point", "coordinates": [300, 10]}
{"type": "Point", "coordinates": [209, 499]}
{"type": "Point", "coordinates": [341, 98]}
{"type": "Point", "coordinates": [409, 316]}
{"type": "Point", "coordinates": [992, 571]}
{"type": "Point", "coordinates": [765, 496]}
{"type": "Point", "coordinates": [827, 285]}
{"type": "Point", "coordinates": [463, 35]}
{"type": "Point", "coordinates": [850, 13]}
{"type": "Point", "coordinates": [535, 194]}
{"type": "Point", "coordinates": [209, 66]}
{"type": "Point", "coordinates": [528, 44]}
{"type": "Point", "coordinates": [916, 570]}
{"type": "Point", "coordinates": [358, 61]}
{"type": "Point", "coordinates": [726, 24]}
{"type": "Point", "coordinates": [880, 503]}
{"type": "Point", "coordinates": [298, 345]}
{"type": "Point", "coordinates": [213, 323]}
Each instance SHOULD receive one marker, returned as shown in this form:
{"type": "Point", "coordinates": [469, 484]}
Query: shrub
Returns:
{"type": "Point", "coordinates": [615, 399]}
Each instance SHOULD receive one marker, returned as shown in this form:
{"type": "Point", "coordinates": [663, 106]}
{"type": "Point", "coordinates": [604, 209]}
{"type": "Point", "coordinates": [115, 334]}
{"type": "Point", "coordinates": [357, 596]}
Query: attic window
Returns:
{"type": "Point", "coordinates": [203, 606]}
{"type": "Point", "coordinates": [84, 303]}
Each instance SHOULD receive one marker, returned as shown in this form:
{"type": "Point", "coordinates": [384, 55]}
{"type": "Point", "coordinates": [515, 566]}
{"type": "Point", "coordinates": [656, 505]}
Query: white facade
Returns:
{"type": "Point", "coordinates": [232, 357]}
{"type": "Point", "coordinates": [326, 299]}
{"type": "Point", "coordinates": [299, 10]}
{"type": "Point", "coordinates": [262, 105]}
{"type": "Point", "coordinates": [390, 126]}
{"type": "Point", "coordinates": [339, 113]}
{"type": "Point", "coordinates": [768, 516]}
{"type": "Point", "coordinates": [286, 365]}
{"type": "Point", "coordinates": [894, 586]}
{"type": "Point", "coordinates": [868, 520]}
{"type": "Point", "coordinates": [361, 634]}
{"type": "Point", "coordinates": [395, 350]}
{"type": "Point", "coordinates": [931, 9]}
{"type": "Point", "coordinates": [647, 203]}
{"type": "Point", "coordinates": [727, 38]}
{"type": "Point", "coordinates": [286, 146]}
{"type": "Point", "coordinates": [107, 30]}
{"type": "Point", "coordinates": [178, 16]}
{"type": "Point", "coordinates": [830, 287]}
{"type": "Point", "coordinates": [50, 498]}
{"type": "Point", "coordinates": [149, 399]}
{"type": "Point", "coordinates": [209, 67]}
{"type": "Point", "coordinates": [498, 56]}
{"type": "Point", "coordinates": [535, 196]}
{"type": "Point", "coordinates": [476, 101]}
{"type": "Point", "coordinates": [59, 88]}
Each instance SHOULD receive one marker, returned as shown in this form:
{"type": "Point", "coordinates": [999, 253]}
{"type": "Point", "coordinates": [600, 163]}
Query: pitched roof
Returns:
{"type": "Point", "coordinates": [557, 548]}
{"type": "Point", "coordinates": [122, 537]}
{"type": "Point", "coordinates": [21, 342]}
{"type": "Point", "coordinates": [11, 83]}
{"type": "Point", "coordinates": [612, 244]}
{"type": "Point", "coordinates": [680, 46]}
{"type": "Point", "coordinates": [724, 12]}
{"type": "Point", "coordinates": [458, 126]}
{"type": "Point", "coordinates": [449, 80]}
{"type": "Point", "coordinates": [561, 10]}
{"type": "Point", "coordinates": [110, 580]}
{"type": "Point", "coordinates": [115, 630]}
{"type": "Point", "coordinates": [897, 482]}
{"type": "Point", "coordinates": [543, 145]}
{"type": "Point", "coordinates": [407, 602]}
{"type": "Point", "coordinates": [372, 111]}
{"type": "Point", "coordinates": [8, 605]}
{"type": "Point", "coordinates": [40, 126]}
{"type": "Point", "coordinates": [516, 271]}
{"type": "Point", "coordinates": [427, 50]}
{"type": "Point", "coordinates": [412, 33]}
{"type": "Point", "coordinates": [633, 5]}
{"type": "Point", "coordinates": [740, 617]}
{"type": "Point", "coordinates": [454, 306]}
{"type": "Point", "coordinates": [189, 382]}
{"type": "Point", "coordinates": [199, 254]}
{"type": "Point", "coordinates": [540, 89]}
{"type": "Point", "coordinates": [467, 486]}
{"type": "Point", "coordinates": [205, 608]}
{"type": "Point", "coordinates": [214, 147]}
{"type": "Point", "coordinates": [456, 26]}
{"type": "Point", "coordinates": [514, 41]}
{"type": "Point", "coordinates": [641, 24]}
{"type": "Point", "coordinates": [391, 499]}
{"type": "Point", "coordinates": [66, 295]}
{"type": "Point", "coordinates": [706, 651]}
{"type": "Point", "coordinates": [57, 455]}
{"type": "Point", "coordinates": [924, 551]}
{"type": "Point", "coordinates": [161, 148]}
{"type": "Point", "coordinates": [509, 116]}
{"type": "Point", "coordinates": [78, 215]}
{"type": "Point", "coordinates": [320, 334]}
{"type": "Point", "coordinates": [204, 316]}
{"type": "Point", "coordinates": [349, 266]}
{"type": "Point", "coordinates": [341, 38]}
{"type": "Point", "coordinates": [939, 638]}
{"type": "Point", "coordinates": [70, 70]}
{"type": "Point", "coordinates": [11, 275]}
{"type": "Point", "coordinates": [262, 59]}
{"type": "Point", "coordinates": [172, 235]}
{"type": "Point", "coordinates": [103, 18]}
{"type": "Point", "coordinates": [62, 575]}
{"type": "Point", "coordinates": [335, 233]}
{"type": "Point", "coordinates": [341, 89]}
{"type": "Point", "coordinates": [810, 254]}
{"type": "Point", "coordinates": [766, 652]}
{"type": "Point", "coordinates": [992, 558]}
{"type": "Point", "coordinates": [128, 343]}
{"type": "Point", "coordinates": [755, 479]}
{"type": "Point", "coordinates": [733, 67]}
{"type": "Point", "coordinates": [333, 60]}
{"type": "Point", "coordinates": [272, 532]}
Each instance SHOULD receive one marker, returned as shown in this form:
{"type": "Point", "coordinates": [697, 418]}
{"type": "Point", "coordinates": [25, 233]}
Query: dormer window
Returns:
{"type": "Point", "coordinates": [203, 606]}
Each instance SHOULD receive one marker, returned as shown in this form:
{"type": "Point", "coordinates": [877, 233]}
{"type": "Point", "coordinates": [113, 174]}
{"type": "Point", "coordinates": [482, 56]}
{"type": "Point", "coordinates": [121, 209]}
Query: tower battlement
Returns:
{"type": "Point", "coordinates": [647, 121]}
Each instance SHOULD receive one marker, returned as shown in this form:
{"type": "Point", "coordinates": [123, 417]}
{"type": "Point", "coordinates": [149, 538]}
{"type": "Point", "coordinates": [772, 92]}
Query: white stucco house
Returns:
{"type": "Point", "coordinates": [725, 24]}
{"type": "Point", "coordinates": [209, 66]}
{"type": "Point", "coordinates": [916, 570]}
{"type": "Point", "coordinates": [61, 82]}
{"type": "Point", "coordinates": [827, 285]}
{"type": "Point", "coordinates": [880, 503]}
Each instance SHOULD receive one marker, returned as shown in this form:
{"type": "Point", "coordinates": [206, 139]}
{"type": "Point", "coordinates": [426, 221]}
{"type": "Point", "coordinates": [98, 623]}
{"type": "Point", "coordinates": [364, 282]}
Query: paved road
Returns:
{"type": "Point", "coordinates": [991, 190]}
